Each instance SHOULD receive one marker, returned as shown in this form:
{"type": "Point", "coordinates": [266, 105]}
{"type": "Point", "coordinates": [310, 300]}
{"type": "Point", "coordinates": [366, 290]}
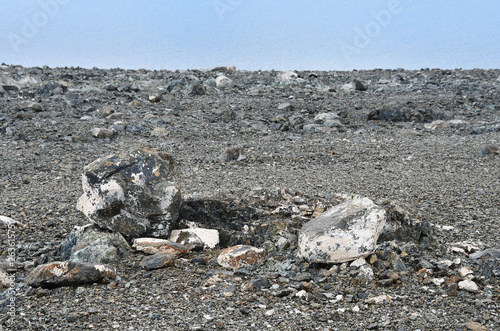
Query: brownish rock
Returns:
{"type": "Point", "coordinates": [241, 256]}
{"type": "Point", "coordinates": [68, 273]}
{"type": "Point", "coordinates": [154, 246]}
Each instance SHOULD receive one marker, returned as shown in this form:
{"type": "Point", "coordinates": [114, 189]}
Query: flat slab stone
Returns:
{"type": "Point", "coordinates": [241, 256]}
{"type": "Point", "coordinates": [154, 246]}
{"type": "Point", "coordinates": [344, 233]}
{"type": "Point", "coordinates": [196, 237]}
{"type": "Point", "coordinates": [68, 273]}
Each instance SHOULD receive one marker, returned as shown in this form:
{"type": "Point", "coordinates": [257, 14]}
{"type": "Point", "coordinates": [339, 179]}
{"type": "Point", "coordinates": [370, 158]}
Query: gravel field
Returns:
{"type": "Point", "coordinates": [424, 139]}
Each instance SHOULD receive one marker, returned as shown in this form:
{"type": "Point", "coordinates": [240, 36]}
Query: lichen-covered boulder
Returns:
{"type": "Point", "coordinates": [68, 273]}
{"type": "Point", "coordinates": [134, 194]}
{"type": "Point", "coordinates": [343, 233]}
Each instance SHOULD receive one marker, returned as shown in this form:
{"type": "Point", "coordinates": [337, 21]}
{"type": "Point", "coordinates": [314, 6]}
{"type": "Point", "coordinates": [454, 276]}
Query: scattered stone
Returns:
{"type": "Point", "coordinates": [452, 290]}
{"type": "Point", "coordinates": [464, 271]}
{"type": "Point", "coordinates": [155, 245]}
{"type": "Point", "coordinates": [158, 261]}
{"type": "Point", "coordinates": [133, 194]}
{"type": "Point", "coordinates": [378, 300]}
{"type": "Point", "coordinates": [89, 244]}
{"type": "Point", "coordinates": [489, 150]}
{"type": "Point", "coordinates": [9, 84]}
{"type": "Point", "coordinates": [233, 153]}
{"type": "Point", "coordinates": [489, 262]}
{"type": "Point", "coordinates": [223, 81]}
{"type": "Point", "coordinates": [241, 256]}
{"type": "Point", "coordinates": [157, 97]}
{"type": "Point", "coordinates": [68, 273]}
{"type": "Point", "coordinates": [359, 85]}
{"type": "Point", "coordinates": [198, 89]}
{"type": "Point", "coordinates": [102, 133]}
{"type": "Point", "coordinates": [404, 225]}
{"type": "Point", "coordinates": [24, 105]}
{"type": "Point", "coordinates": [445, 124]}
{"type": "Point", "coordinates": [343, 233]}
{"type": "Point", "coordinates": [468, 285]}
{"type": "Point", "coordinates": [394, 112]}
{"type": "Point", "coordinates": [475, 326]}
{"type": "Point", "coordinates": [285, 106]}
{"type": "Point", "coordinates": [365, 273]}
{"type": "Point", "coordinates": [159, 132]}
{"type": "Point", "coordinates": [196, 238]}
{"type": "Point", "coordinates": [358, 262]}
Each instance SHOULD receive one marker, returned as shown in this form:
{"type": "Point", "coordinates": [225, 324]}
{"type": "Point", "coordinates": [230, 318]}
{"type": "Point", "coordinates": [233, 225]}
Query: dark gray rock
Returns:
{"type": "Point", "coordinates": [157, 261]}
{"type": "Point", "coordinates": [68, 273]}
{"type": "Point", "coordinates": [89, 244]}
{"type": "Point", "coordinates": [489, 262]}
{"type": "Point", "coordinates": [407, 113]}
{"type": "Point", "coordinates": [406, 226]}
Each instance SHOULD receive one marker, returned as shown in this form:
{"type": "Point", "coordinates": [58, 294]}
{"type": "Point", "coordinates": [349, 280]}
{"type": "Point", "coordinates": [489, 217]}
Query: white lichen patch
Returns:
{"type": "Point", "coordinates": [58, 268]}
{"type": "Point", "coordinates": [209, 237]}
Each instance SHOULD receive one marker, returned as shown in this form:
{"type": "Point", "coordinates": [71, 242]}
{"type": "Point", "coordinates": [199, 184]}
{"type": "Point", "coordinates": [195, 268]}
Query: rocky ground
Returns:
{"type": "Point", "coordinates": [246, 143]}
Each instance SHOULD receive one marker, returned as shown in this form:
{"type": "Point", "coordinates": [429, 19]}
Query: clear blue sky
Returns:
{"type": "Point", "coordinates": [251, 34]}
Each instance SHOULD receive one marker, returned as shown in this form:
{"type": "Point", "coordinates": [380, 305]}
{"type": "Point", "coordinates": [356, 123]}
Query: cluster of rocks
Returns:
{"type": "Point", "coordinates": [131, 195]}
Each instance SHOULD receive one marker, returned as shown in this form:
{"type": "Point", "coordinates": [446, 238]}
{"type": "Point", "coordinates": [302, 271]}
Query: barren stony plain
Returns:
{"type": "Point", "coordinates": [246, 144]}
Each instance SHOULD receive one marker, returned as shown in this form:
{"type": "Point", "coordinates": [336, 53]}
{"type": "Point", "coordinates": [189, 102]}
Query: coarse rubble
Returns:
{"type": "Point", "coordinates": [257, 156]}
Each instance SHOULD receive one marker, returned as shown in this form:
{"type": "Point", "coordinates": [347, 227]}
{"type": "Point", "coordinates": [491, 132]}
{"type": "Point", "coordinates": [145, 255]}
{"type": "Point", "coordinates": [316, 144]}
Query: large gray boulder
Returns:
{"type": "Point", "coordinates": [134, 194]}
{"type": "Point", "coordinates": [343, 233]}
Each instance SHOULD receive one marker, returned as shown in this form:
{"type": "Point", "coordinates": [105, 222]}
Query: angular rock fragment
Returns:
{"type": "Point", "coordinates": [154, 246]}
{"type": "Point", "coordinates": [241, 256]}
{"type": "Point", "coordinates": [223, 81]}
{"type": "Point", "coordinates": [378, 300]}
{"type": "Point", "coordinates": [196, 238]}
{"type": "Point", "coordinates": [489, 150]}
{"type": "Point", "coordinates": [405, 226]}
{"type": "Point", "coordinates": [157, 261]}
{"type": "Point", "coordinates": [343, 233]}
{"type": "Point", "coordinates": [468, 285]}
{"type": "Point", "coordinates": [102, 133]}
{"type": "Point", "coordinates": [68, 273]}
{"type": "Point", "coordinates": [133, 194]}
{"type": "Point", "coordinates": [9, 84]}
{"type": "Point", "coordinates": [89, 244]}
{"type": "Point", "coordinates": [489, 261]}
{"type": "Point", "coordinates": [157, 97]}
